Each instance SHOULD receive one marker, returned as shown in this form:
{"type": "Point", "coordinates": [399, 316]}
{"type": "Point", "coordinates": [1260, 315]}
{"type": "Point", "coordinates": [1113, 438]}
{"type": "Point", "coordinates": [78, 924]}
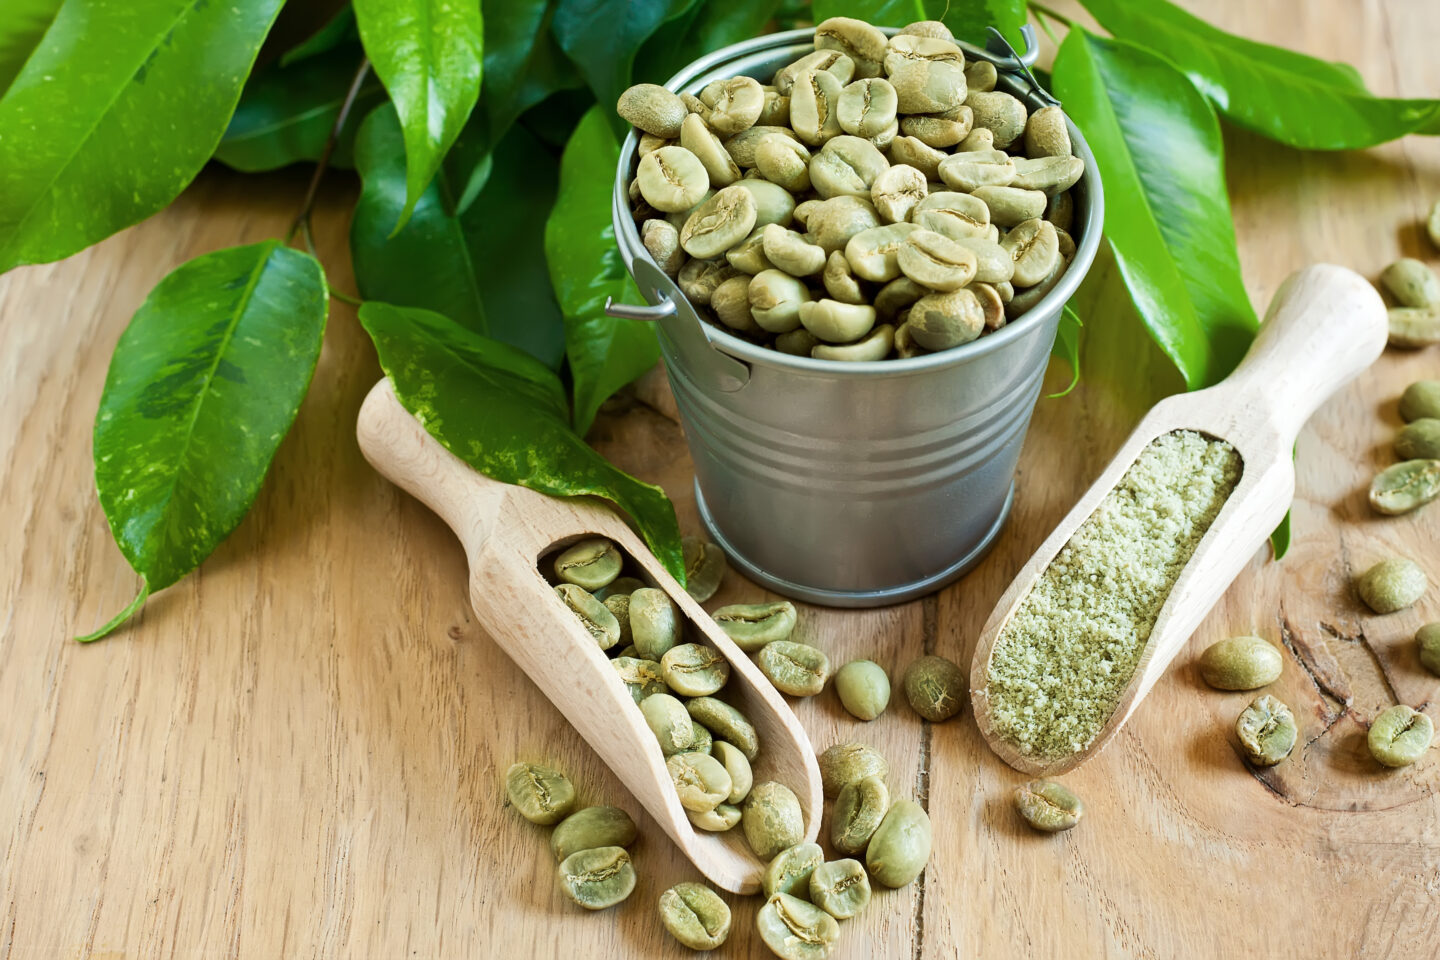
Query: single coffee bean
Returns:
{"type": "Point", "coordinates": [1392, 584]}
{"type": "Point", "coordinates": [542, 795]}
{"type": "Point", "coordinates": [1060, 210]}
{"type": "Point", "coordinates": [668, 719]}
{"type": "Point", "coordinates": [990, 303]}
{"type": "Point", "coordinates": [1421, 399]}
{"type": "Point", "coordinates": [900, 848]}
{"type": "Point", "coordinates": [773, 203]}
{"type": "Point", "coordinates": [939, 321]}
{"type": "Point", "coordinates": [725, 817]}
{"type": "Point", "coordinates": [743, 145]}
{"type": "Point", "coordinates": [1240, 663]}
{"type": "Point", "coordinates": [957, 215]}
{"type": "Point", "coordinates": [719, 223]}
{"type": "Point", "coordinates": [589, 828]}
{"type": "Point", "coordinates": [649, 142]}
{"type": "Point", "coordinates": [1048, 806]}
{"type": "Point", "coordinates": [976, 140]}
{"type": "Point", "coordinates": [857, 39]}
{"type": "Point", "coordinates": [619, 606]}
{"type": "Point", "coordinates": [700, 780]}
{"type": "Point", "coordinates": [1066, 244]}
{"type": "Point", "coordinates": [653, 109]}
{"type": "Point", "coordinates": [1428, 639]}
{"type": "Point", "coordinates": [785, 162]}
{"type": "Point", "coordinates": [1050, 175]}
{"type": "Point", "coordinates": [776, 111]}
{"type": "Point", "coordinates": [727, 723]}
{"type": "Point", "coordinates": [700, 140]}
{"type": "Point", "coordinates": [753, 625]}
{"type": "Point", "coordinates": [981, 76]}
{"type": "Point", "coordinates": [1406, 486]}
{"type": "Point", "coordinates": [1007, 292]}
{"type": "Point", "coordinates": [695, 915]}
{"type": "Point", "coordinates": [935, 688]}
{"type": "Point", "coordinates": [970, 171]}
{"type": "Point", "coordinates": [874, 253]}
{"type": "Point", "coordinates": [939, 130]}
{"type": "Point", "coordinates": [794, 668]}
{"type": "Point", "coordinates": [775, 297]}
{"type": "Point", "coordinates": [934, 260]}
{"type": "Point", "coordinates": [928, 86]}
{"type": "Point", "coordinates": [797, 343]}
{"type": "Point", "coordinates": [1419, 440]}
{"type": "Point", "coordinates": [897, 295]}
{"type": "Point", "coordinates": [834, 62]}
{"type": "Point", "coordinates": [909, 47]}
{"type": "Point", "coordinates": [835, 221]}
{"type": "Point", "coordinates": [859, 808]}
{"type": "Point", "coordinates": [789, 871]}
{"type": "Point", "coordinates": [792, 253]}
{"type": "Point", "coordinates": [896, 191]}
{"type": "Point", "coordinates": [1046, 134]}
{"type": "Point", "coordinates": [927, 28]}
{"type": "Point", "coordinates": [672, 179]}
{"type": "Point", "coordinates": [840, 281]}
{"type": "Point", "coordinates": [993, 263]}
{"type": "Point", "coordinates": [864, 688]}
{"type": "Point", "coordinates": [918, 154]}
{"type": "Point", "coordinates": [598, 621]}
{"type": "Point", "coordinates": [1267, 731]}
{"type": "Point", "coordinates": [840, 888]}
{"type": "Point", "coordinates": [654, 622]}
{"type": "Point", "coordinates": [702, 740]}
{"type": "Point", "coordinates": [813, 103]}
{"type": "Point", "coordinates": [835, 322]}
{"type": "Point", "coordinates": [742, 777]}
{"type": "Point", "coordinates": [844, 763]}
{"type": "Point", "coordinates": [695, 105]}
{"type": "Point", "coordinates": [1412, 283]}
{"type": "Point", "coordinates": [796, 930]}
{"type": "Point", "coordinates": [846, 166]}
{"type": "Point", "coordinates": [772, 819]}
{"type": "Point", "coordinates": [699, 278]}
{"type": "Point", "coordinates": [1010, 205]}
{"type": "Point", "coordinates": [1000, 113]}
{"type": "Point", "coordinates": [705, 567]}
{"type": "Point", "coordinates": [866, 107]}
{"type": "Point", "coordinates": [598, 878]}
{"type": "Point", "coordinates": [738, 105]}
{"type": "Point", "coordinates": [876, 345]}
{"type": "Point", "coordinates": [694, 670]}
{"type": "Point", "coordinates": [590, 564]}
{"type": "Point", "coordinates": [641, 677]}
{"type": "Point", "coordinates": [905, 345]}
{"type": "Point", "coordinates": [748, 257]}
{"type": "Point", "coordinates": [1400, 736]}
{"type": "Point", "coordinates": [1414, 327]}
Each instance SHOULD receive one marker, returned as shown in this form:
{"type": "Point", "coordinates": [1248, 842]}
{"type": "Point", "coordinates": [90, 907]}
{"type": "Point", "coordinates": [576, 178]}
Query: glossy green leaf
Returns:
{"type": "Point", "coordinates": [114, 114]}
{"type": "Point", "coordinates": [602, 36]}
{"type": "Point", "coordinates": [585, 268]}
{"type": "Point", "coordinates": [1299, 100]}
{"type": "Point", "coordinates": [341, 31]}
{"type": "Point", "coordinates": [484, 269]}
{"type": "Point", "coordinates": [503, 413]}
{"type": "Point", "coordinates": [1280, 539]}
{"type": "Point", "coordinates": [22, 24]}
{"type": "Point", "coordinates": [1157, 144]}
{"type": "Point", "coordinates": [1067, 347]}
{"type": "Point", "coordinates": [203, 386]}
{"type": "Point", "coordinates": [967, 19]}
{"type": "Point", "coordinates": [428, 53]}
{"type": "Point", "coordinates": [704, 28]}
{"type": "Point", "coordinates": [286, 113]}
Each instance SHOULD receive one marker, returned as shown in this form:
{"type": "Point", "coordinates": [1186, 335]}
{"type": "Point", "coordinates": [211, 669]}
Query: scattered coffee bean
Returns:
{"type": "Point", "coordinates": [1411, 283]}
{"type": "Point", "coordinates": [797, 669]}
{"type": "Point", "coordinates": [1400, 736]}
{"type": "Point", "coordinates": [695, 915]}
{"type": "Point", "coordinates": [772, 819]}
{"type": "Point", "coordinates": [1048, 806]}
{"type": "Point", "coordinates": [726, 723]}
{"type": "Point", "coordinates": [668, 719]}
{"type": "Point", "coordinates": [1267, 731]}
{"type": "Point", "coordinates": [1406, 486]}
{"type": "Point", "coordinates": [737, 765]}
{"type": "Point", "coordinates": [598, 878]}
{"type": "Point", "coordinates": [1391, 585]}
{"type": "Point", "coordinates": [846, 763]}
{"type": "Point", "coordinates": [598, 621]}
{"type": "Point", "coordinates": [840, 888]}
{"type": "Point", "coordinates": [796, 930]}
{"type": "Point", "coordinates": [725, 817]}
{"type": "Point", "coordinates": [654, 622]}
{"type": "Point", "coordinates": [1421, 399]}
{"type": "Point", "coordinates": [694, 670]}
{"type": "Point", "coordinates": [1419, 440]}
{"type": "Point", "coordinates": [542, 795]}
{"type": "Point", "coordinates": [700, 781]}
{"type": "Point", "coordinates": [1414, 327]}
{"type": "Point", "coordinates": [789, 871]}
{"type": "Point", "coordinates": [900, 848]}
{"type": "Point", "coordinates": [864, 688]}
{"type": "Point", "coordinates": [936, 688]}
{"type": "Point", "coordinates": [1240, 663]}
{"type": "Point", "coordinates": [859, 808]}
{"type": "Point", "coordinates": [592, 827]}
{"type": "Point", "coordinates": [705, 567]}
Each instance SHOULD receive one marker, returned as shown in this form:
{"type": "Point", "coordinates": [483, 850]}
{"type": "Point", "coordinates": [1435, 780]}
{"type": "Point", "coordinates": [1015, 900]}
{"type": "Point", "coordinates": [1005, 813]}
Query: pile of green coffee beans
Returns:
{"type": "Point", "coordinates": [1415, 322]}
{"type": "Point", "coordinates": [878, 198]}
{"type": "Point", "coordinates": [1415, 480]}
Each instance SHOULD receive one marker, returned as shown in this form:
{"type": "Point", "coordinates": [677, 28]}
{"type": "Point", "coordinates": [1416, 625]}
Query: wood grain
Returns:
{"type": "Point", "coordinates": [296, 752]}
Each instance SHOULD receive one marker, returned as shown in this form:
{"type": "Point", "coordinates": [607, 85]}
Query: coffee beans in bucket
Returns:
{"type": "Point", "coordinates": [878, 198]}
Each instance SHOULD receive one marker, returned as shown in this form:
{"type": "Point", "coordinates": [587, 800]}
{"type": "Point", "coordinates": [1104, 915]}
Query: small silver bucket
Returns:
{"type": "Point", "coordinates": [852, 484]}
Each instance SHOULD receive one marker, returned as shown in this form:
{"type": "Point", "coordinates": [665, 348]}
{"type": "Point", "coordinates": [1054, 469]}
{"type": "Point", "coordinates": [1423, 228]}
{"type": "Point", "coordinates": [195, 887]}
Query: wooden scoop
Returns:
{"type": "Point", "coordinates": [505, 531]}
{"type": "Point", "coordinates": [1325, 325]}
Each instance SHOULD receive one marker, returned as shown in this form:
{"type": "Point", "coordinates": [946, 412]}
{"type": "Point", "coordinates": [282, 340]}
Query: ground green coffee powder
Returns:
{"type": "Point", "coordinates": [1061, 662]}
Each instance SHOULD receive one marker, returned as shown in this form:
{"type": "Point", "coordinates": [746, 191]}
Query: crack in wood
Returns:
{"type": "Point", "coordinates": [1321, 667]}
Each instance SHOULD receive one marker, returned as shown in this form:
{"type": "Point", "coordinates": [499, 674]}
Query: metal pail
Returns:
{"type": "Point", "coordinates": [852, 484]}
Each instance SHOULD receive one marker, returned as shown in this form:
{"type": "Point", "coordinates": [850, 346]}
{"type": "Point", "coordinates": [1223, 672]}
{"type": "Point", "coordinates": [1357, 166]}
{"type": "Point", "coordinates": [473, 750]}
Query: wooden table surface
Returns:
{"type": "Point", "coordinates": [296, 752]}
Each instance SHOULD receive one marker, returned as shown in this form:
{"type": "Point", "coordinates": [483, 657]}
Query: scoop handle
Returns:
{"type": "Point", "coordinates": [1325, 325]}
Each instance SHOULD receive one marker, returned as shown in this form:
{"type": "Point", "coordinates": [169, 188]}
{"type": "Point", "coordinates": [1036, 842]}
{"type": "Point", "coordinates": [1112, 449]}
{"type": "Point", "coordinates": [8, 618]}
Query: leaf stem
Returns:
{"type": "Point", "coordinates": [302, 219]}
{"type": "Point", "coordinates": [122, 616]}
{"type": "Point", "coordinates": [1055, 15]}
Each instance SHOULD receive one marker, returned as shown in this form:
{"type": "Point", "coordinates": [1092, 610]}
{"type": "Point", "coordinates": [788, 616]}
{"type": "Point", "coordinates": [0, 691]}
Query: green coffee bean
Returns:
{"type": "Point", "coordinates": [1240, 663]}
{"type": "Point", "coordinates": [743, 145]}
{"type": "Point", "coordinates": [700, 140]}
{"type": "Point", "coordinates": [934, 260]}
{"type": "Point", "coordinates": [784, 161]}
{"type": "Point", "coordinates": [1049, 175]}
{"type": "Point", "coordinates": [874, 254]}
{"type": "Point", "coordinates": [796, 930]}
{"type": "Point", "coordinates": [833, 222]}
{"type": "Point", "coordinates": [1046, 134]}
{"type": "Point", "coordinates": [846, 166]}
{"type": "Point", "coordinates": [726, 723]}
{"type": "Point", "coordinates": [1391, 585]}
{"type": "Point", "coordinates": [835, 322]}
{"type": "Point", "coordinates": [619, 607]}
{"type": "Point", "coordinates": [773, 203]}
{"type": "Point", "coordinates": [725, 817]}
{"type": "Point", "coordinates": [1048, 806]}
{"type": "Point", "coordinates": [928, 85]}
{"type": "Point", "coordinates": [797, 343]}
{"type": "Point", "coordinates": [845, 763]}
{"type": "Point", "coordinates": [858, 40]}
{"type": "Point", "coordinates": [927, 28]}
{"type": "Point", "coordinates": [813, 103]}
{"type": "Point", "coordinates": [1034, 247]}
{"type": "Point", "coordinates": [668, 720]}
{"type": "Point", "coordinates": [753, 625]}
{"type": "Point", "coordinates": [1400, 736]}
{"type": "Point", "coordinates": [699, 278]}
{"type": "Point", "coordinates": [875, 346]}
{"type": "Point", "coordinates": [720, 222]}
{"type": "Point", "coordinates": [591, 564]}
{"type": "Point", "coordinates": [731, 299]}
{"type": "Point", "coordinates": [1267, 731]}
{"type": "Point", "coordinates": [939, 321]}
{"type": "Point", "coordinates": [939, 130]}
{"type": "Point", "coordinates": [542, 795]}
{"type": "Point", "coordinates": [775, 297]}
{"type": "Point", "coordinates": [642, 678]}
{"type": "Point", "coordinates": [957, 215]}
{"type": "Point", "coordinates": [654, 622]}
{"type": "Point", "coordinates": [1428, 638]}
{"type": "Point", "coordinates": [900, 848]}
{"type": "Point", "coordinates": [935, 687]}
{"type": "Point", "coordinates": [859, 808]}
{"type": "Point", "coordinates": [653, 109]}
{"type": "Point", "coordinates": [701, 740]}
{"type": "Point", "coordinates": [897, 295]}
{"type": "Point", "coordinates": [864, 688]}
{"type": "Point", "coordinates": [695, 915]}
{"type": "Point", "coordinates": [771, 818]}
{"type": "Point", "coordinates": [993, 263]}
{"type": "Point", "coordinates": [789, 870]}
{"type": "Point", "coordinates": [1414, 327]}
{"type": "Point", "coordinates": [700, 781]}
{"type": "Point", "coordinates": [694, 669]}
{"type": "Point", "coordinates": [619, 587]}
{"type": "Point", "coordinates": [1000, 113]}
{"type": "Point", "coordinates": [831, 61]}
{"type": "Point", "coordinates": [598, 621]}
{"type": "Point", "coordinates": [981, 75]}
{"type": "Point", "coordinates": [840, 888]}
{"type": "Point", "coordinates": [733, 759]}
{"type": "Point", "coordinates": [598, 878]}
{"type": "Point", "coordinates": [896, 192]}
{"type": "Point", "coordinates": [1421, 399]}
{"type": "Point", "coordinates": [704, 568]}
{"type": "Point", "coordinates": [738, 105]}
{"type": "Point", "coordinates": [589, 828]}
{"type": "Point", "coordinates": [747, 256]}
{"type": "Point", "coordinates": [793, 254]}
{"type": "Point", "coordinates": [1009, 205]}
{"type": "Point", "coordinates": [1419, 440]}
{"type": "Point", "coordinates": [1403, 487]}
{"type": "Point", "coordinates": [672, 179]}
{"type": "Point", "coordinates": [1412, 283]}
{"type": "Point", "coordinates": [967, 172]}
{"type": "Point", "coordinates": [794, 668]}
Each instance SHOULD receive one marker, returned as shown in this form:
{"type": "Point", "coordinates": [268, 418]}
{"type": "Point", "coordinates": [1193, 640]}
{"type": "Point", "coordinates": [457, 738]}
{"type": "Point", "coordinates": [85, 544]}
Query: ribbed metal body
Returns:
{"type": "Point", "coordinates": [852, 484]}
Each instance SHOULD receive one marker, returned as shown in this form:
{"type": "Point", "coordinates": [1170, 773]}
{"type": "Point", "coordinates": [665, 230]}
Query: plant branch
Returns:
{"type": "Point", "coordinates": [302, 219]}
{"type": "Point", "coordinates": [1055, 15]}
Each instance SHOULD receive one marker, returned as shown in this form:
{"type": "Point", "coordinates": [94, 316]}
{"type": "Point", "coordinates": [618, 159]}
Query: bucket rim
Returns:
{"type": "Point", "coordinates": [628, 235]}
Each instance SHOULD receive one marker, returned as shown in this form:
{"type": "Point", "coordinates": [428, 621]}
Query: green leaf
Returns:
{"type": "Point", "coordinates": [967, 19]}
{"type": "Point", "coordinates": [704, 28]}
{"type": "Point", "coordinates": [428, 53]}
{"type": "Point", "coordinates": [203, 386]}
{"type": "Point", "coordinates": [484, 269]}
{"type": "Point", "coordinates": [1067, 347]}
{"type": "Point", "coordinates": [22, 24]}
{"type": "Point", "coordinates": [585, 268]}
{"type": "Point", "coordinates": [504, 414]}
{"type": "Point", "coordinates": [1158, 148]}
{"type": "Point", "coordinates": [1304, 102]}
{"type": "Point", "coordinates": [341, 31]}
{"type": "Point", "coordinates": [114, 114]}
{"type": "Point", "coordinates": [602, 36]}
{"type": "Point", "coordinates": [286, 113]}
{"type": "Point", "coordinates": [1280, 539]}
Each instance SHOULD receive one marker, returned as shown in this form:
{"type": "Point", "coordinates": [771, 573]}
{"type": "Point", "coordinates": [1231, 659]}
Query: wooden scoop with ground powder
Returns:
{"type": "Point", "coordinates": [1090, 623]}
